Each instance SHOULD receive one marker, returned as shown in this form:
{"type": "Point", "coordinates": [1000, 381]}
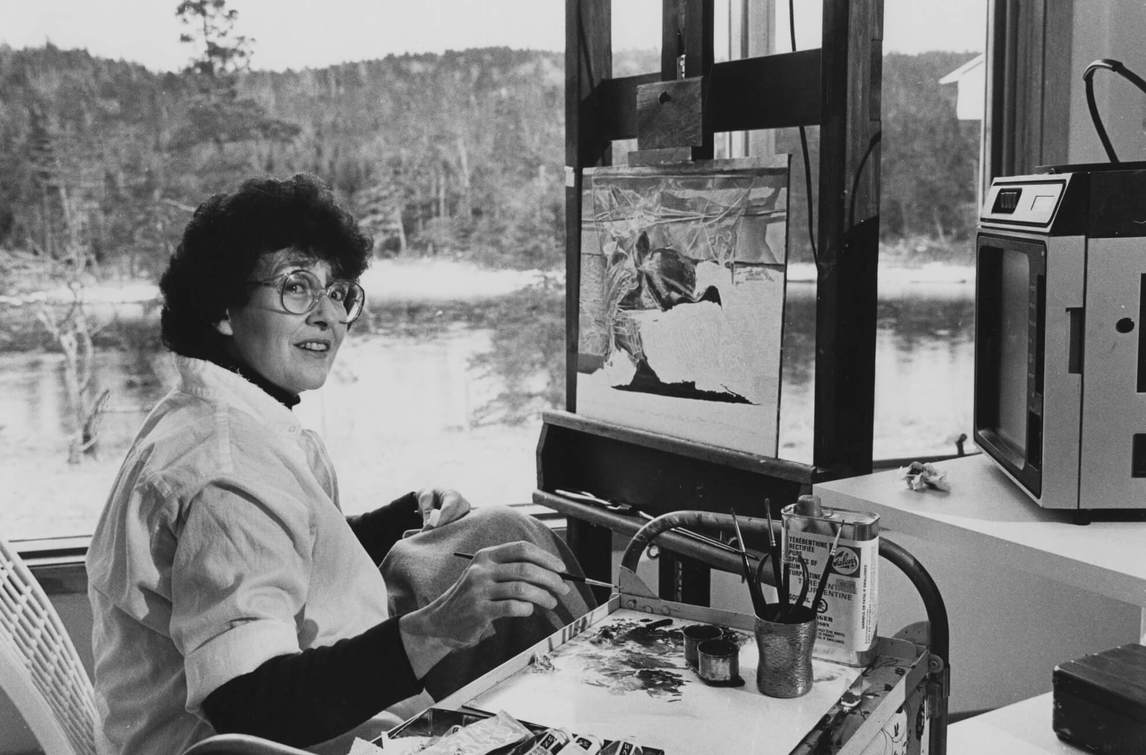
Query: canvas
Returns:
{"type": "Point", "coordinates": [681, 303]}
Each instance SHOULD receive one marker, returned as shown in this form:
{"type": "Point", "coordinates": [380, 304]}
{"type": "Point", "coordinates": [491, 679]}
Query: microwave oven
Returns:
{"type": "Point", "coordinates": [1060, 334]}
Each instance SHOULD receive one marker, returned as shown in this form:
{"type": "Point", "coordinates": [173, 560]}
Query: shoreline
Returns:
{"type": "Point", "coordinates": [429, 280]}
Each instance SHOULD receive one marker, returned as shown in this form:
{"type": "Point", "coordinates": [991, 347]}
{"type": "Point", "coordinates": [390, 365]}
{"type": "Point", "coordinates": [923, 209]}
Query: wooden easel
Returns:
{"type": "Point", "coordinates": [835, 87]}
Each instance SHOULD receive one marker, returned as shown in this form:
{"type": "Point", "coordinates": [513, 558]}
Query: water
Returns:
{"type": "Point", "coordinates": [923, 363]}
{"type": "Point", "coordinates": [398, 412]}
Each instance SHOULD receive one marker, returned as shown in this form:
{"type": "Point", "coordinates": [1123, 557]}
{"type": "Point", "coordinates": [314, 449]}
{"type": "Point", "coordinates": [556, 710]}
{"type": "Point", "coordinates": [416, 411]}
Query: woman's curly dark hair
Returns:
{"type": "Point", "coordinates": [224, 240]}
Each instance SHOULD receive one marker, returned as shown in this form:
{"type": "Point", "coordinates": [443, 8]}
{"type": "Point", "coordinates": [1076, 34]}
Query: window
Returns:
{"type": "Point", "coordinates": [932, 100]}
{"type": "Point", "coordinates": [102, 159]}
{"type": "Point", "coordinates": [448, 149]}
{"type": "Point", "coordinates": [932, 110]}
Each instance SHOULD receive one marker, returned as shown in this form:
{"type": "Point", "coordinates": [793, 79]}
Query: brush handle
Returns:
{"type": "Point", "coordinates": [754, 591]}
{"type": "Point", "coordinates": [562, 574]}
{"type": "Point", "coordinates": [774, 551]}
{"type": "Point", "coordinates": [828, 571]}
{"type": "Point", "coordinates": [807, 581]}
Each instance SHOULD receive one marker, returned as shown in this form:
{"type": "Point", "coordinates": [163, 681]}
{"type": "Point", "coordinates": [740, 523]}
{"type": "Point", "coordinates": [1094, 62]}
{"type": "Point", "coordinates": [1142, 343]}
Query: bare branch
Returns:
{"type": "Point", "coordinates": [176, 205]}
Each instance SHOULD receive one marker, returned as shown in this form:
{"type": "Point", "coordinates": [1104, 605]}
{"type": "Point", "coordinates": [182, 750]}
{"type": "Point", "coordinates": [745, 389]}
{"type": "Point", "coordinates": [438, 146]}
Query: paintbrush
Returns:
{"type": "Point", "coordinates": [697, 536]}
{"type": "Point", "coordinates": [562, 574]}
{"type": "Point", "coordinates": [774, 552]}
{"type": "Point", "coordinates": [827, 572]}
{"type": "Point", "coordinates": [582, 496]}
{"type": "Point", "coordinates": [783, 591]}
{"type": "Point", "coordinates": [754, 591]}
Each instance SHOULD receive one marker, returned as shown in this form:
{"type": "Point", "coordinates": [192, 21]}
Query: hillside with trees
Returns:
{"type": "Point", "coordinates": [435, 153]}
{"type": "Point", "coordinates": [459, 153]}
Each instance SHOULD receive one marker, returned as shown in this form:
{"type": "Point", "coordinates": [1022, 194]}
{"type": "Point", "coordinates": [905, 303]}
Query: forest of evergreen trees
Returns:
{"type": "Point", "coordinates": [459, 153]}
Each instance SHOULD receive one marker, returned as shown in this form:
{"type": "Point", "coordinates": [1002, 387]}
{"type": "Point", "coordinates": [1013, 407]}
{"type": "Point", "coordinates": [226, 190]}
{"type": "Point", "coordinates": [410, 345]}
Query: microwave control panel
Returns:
{"type": "Point", "coordinates": [1025, 202]}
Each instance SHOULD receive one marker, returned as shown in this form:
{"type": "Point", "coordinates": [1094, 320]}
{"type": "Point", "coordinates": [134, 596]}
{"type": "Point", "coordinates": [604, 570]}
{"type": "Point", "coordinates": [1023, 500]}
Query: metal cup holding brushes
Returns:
{"type": "Point", "coordinates": [785, 631]}
{"type": "Point", "coordinates": [785, 642]}
{"type": "Point", "coordinates": [785, 636]}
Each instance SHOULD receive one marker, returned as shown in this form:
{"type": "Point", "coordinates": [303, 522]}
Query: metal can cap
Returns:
{"type": "Point", "coordinates": [808, 505]}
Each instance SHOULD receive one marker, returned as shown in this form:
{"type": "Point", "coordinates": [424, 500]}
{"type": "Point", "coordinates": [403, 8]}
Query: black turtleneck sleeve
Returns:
{"type": "Point", "coordinates": [308, 697]}
{"type": "Point", "coordinates": [379, 529]}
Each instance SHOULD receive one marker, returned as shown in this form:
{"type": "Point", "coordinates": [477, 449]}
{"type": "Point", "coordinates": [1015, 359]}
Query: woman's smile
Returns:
{"type": "Point", "coordinates": [320, 347]}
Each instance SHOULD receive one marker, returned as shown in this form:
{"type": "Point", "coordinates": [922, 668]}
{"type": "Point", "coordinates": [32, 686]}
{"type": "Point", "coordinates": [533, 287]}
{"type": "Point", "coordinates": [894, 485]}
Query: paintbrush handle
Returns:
{"type": "Point", "coordinates": [829, 564]}
{"type": "Point", "coordinates": [754, 591]}
{"type": "Point", "coordinates": [827, 572]}
{"type": "Point", "coordinates": [774, 552]}
{"type": "Point", "coordinates": [806, 580]}
{"type": "Point", "coordinates": [562, 574]}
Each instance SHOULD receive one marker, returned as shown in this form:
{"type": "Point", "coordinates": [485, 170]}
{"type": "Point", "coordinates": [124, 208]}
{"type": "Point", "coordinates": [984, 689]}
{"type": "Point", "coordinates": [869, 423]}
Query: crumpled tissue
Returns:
{"type": "Point", "coordinates": [921, 477]}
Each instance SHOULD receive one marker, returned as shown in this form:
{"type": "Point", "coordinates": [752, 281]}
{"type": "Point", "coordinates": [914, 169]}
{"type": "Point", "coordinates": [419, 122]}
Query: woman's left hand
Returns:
{"type": "Point", "coordinates": [440, 506]}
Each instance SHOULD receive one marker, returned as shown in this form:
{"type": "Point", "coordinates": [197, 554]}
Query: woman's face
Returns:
{"type": "Point", "coordinates": [295, 352]}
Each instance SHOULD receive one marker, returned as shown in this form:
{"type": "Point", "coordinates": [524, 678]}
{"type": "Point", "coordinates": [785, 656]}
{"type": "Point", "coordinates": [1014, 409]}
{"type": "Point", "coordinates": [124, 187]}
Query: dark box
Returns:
{"type": "Point", "coordinates": [1100, 701]}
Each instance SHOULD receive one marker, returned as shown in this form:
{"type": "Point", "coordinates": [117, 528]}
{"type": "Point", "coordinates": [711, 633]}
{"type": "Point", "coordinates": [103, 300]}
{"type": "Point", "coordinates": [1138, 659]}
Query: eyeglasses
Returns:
{"type": "Point", "coordinates": [300, 291]}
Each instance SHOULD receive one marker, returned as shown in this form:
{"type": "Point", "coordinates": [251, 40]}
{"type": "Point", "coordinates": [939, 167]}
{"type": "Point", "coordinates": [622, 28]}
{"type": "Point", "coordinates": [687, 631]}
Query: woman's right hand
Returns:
{"type": "Point", "coordinates": [512, 579]}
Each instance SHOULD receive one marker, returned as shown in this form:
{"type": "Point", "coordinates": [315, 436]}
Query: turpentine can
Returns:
{"type": "Point", "coordinates": [846, 624]}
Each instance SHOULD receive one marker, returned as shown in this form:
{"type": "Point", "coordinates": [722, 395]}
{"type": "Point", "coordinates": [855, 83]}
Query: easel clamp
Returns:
{"type": "Point", "coordinates": [671, 114]}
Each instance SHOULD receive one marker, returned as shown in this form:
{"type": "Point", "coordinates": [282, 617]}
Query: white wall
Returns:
{"type": "Point", "coordinates": [1008, 628]}
{"type": "Point", "coordinates": [1108, 29]}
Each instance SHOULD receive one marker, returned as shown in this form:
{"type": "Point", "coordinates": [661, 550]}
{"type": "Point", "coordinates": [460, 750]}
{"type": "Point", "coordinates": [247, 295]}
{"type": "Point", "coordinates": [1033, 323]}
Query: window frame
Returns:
{"type": "Point", "coordinates": [1026, 126]}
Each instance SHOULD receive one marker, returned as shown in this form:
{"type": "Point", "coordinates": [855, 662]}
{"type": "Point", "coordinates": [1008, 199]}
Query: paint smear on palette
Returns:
{"type": "Point", "coordinates": [628, 656]}
{"type": "Point", "coordinates": [828, 673]}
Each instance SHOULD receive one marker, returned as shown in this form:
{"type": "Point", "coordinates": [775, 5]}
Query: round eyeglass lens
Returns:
{"type": "Point", "coordinates": [350, 295]}
{"type": "Point", "coordinates": [301, 290]}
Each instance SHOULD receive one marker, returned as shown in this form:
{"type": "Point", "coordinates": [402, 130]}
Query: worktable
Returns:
{"type": "Point", "coordinates": [1023, 728]}
{"type": "Point", "coordinates": [986, 516]}
{"type": "Point", "coordinates": [617, 674]}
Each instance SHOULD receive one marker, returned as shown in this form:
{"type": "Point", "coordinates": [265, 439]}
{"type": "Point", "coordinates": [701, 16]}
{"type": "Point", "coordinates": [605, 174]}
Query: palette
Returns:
{"type": "Point", "coordinates": [619, 673]}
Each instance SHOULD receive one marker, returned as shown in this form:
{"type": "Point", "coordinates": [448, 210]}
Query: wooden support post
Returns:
{"type": "Point", "coordinates": [588, 62]}
{"type": "Point", "coordinates": [593, 546]}
{"type": "Point", "coordinates": [687, 28]}
{"type": "Point", "coordinates": [848, 236]}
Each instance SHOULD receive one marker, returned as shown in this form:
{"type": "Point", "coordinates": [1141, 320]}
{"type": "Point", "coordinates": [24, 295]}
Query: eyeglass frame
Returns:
{"type": "Point", "coordinates": [279, 281]}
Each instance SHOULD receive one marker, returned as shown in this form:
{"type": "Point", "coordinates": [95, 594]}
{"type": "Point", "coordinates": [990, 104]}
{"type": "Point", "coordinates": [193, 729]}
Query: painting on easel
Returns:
{"type": "Point", "coordinates": [682, 300]}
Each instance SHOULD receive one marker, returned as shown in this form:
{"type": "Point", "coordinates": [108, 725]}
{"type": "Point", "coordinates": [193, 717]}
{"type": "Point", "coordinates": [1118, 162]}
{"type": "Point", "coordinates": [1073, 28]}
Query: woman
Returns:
{"type": "Point", "coordinates": [229, 593]}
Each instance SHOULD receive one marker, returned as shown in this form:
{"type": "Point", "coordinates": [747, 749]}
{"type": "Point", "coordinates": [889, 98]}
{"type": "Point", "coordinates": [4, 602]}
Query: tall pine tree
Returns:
{"type": "Point", "coordinates": [218, 115]}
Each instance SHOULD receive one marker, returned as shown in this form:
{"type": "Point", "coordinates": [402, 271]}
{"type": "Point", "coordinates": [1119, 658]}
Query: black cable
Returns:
{"type": "Point", "coordinates": [804, 147]}
{"type": "Point", "coordinates": [1088, 79]}
{"type": "Point", "coordinates": [871, 145]}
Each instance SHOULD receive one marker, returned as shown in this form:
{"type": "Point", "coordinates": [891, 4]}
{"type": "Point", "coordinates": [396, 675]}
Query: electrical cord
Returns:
{"type": "Point", "coordinates": [804, 147]}
{"type": "Point", "coordinates": [1088, 79]}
